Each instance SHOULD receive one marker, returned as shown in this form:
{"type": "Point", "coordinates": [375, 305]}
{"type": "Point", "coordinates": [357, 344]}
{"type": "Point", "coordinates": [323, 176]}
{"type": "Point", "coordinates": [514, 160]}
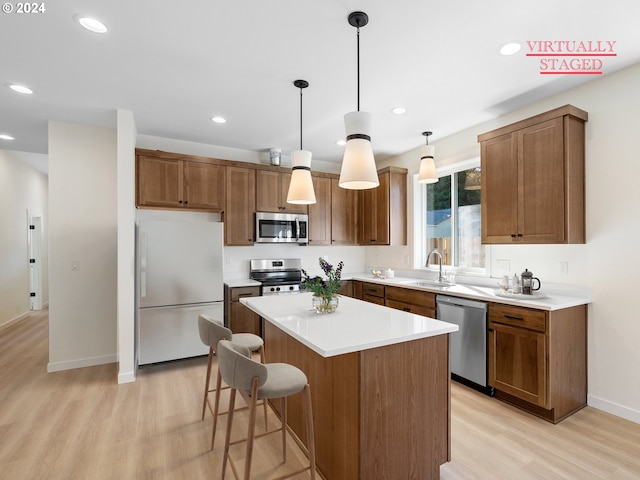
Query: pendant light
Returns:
{"type": "Point", "coordinates": [301, 186]}
{"type": "Point", "coordinates": [358, 170]}
{"type": "Point", "coordinates": [427, 173]}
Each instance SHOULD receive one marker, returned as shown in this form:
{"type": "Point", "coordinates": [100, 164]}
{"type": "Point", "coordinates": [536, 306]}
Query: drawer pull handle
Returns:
{"type": "Point", "coordinates": [406, 309]}
{"type": "Point", "coordinates": [245, 294]}
{"type": "Point", "coordinates": [514, 317]}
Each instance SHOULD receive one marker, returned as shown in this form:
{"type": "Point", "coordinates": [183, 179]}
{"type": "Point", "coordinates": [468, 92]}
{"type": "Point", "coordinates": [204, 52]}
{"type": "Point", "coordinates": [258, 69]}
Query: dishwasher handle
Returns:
{"type": "Point", "coordinates": [460, 302]}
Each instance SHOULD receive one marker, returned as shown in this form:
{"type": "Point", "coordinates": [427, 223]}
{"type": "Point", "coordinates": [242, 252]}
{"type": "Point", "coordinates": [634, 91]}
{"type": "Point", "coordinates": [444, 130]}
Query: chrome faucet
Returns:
{"type": "Point", "coordinates": [437, 252]}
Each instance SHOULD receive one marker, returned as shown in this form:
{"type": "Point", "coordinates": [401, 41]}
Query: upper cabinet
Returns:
{"type": "Point", "coordinates": [382, 211]}
{"type": "Point", "coordinates": [533, 179]}
{"type": "Point", "coordinates": [239, 215]}
{"type": "Point", "coordinates": [176, 183]}
{"type": "Point", "coordinates": [271, 193]}
{"type": "Point", "coordinates": [344, 215]}
{"type": "Point", "coordinates": [320, 212]}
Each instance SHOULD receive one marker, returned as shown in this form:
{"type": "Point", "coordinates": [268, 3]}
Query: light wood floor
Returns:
{"type": "Point", "coordinates": [79, 424]}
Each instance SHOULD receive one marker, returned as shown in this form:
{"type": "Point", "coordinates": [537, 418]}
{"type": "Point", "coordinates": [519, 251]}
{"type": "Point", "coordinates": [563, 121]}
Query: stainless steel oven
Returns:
{"type": "Point", "coordinates": [277, 276]}
{"type": "Point", "coordinates": [281, 228]}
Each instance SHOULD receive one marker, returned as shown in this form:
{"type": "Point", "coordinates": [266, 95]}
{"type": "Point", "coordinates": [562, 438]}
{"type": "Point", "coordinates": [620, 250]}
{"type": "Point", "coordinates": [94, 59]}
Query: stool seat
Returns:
{"type": "Point", "coordinates": [282, 380]}
{"type": "Point", "coordinates": [247, 340]}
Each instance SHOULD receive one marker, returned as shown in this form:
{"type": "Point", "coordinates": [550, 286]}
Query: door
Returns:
{"type": "Point", "coordinates": [320, 213]}
{"type": "Point", "coordinates": [35, 262]}
{"type": "Point", "coordinates": [180, 262]}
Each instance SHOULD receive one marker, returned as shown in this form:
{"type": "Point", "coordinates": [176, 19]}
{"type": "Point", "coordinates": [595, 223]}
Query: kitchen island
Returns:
{"type": "Point", "coordinates": [379, 381]}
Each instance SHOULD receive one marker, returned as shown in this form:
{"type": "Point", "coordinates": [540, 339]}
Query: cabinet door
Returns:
{"type": "Point", "coordinates": [320, 213]}
{"type": "Point", "coordinates": [499, 197]}
{"type": "Point", "coordinates": [344, 212]}
{"type": "Point", "coordinates": [159, 182]}
{"type": "Point", "coordinates": [243, 319]}
{"type": "Point", "coordinates": [239, 213]}
{"type": "Point", "coordinates": [271, 193]}
{"type": "Point", "coordinates": [517, 362]}
{"type": "Point", "coordinates": [374, 213]}
{"type": "Point", "coordinates": [268, 191]}
{"type": "Point", "coordinates": [542, 179]}
{"type": "Point", "coordinates": [205, 186]}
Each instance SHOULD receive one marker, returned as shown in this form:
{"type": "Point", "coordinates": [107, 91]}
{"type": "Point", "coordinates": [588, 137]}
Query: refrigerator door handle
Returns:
{"type": "Point", "coordinates": [143, 264]}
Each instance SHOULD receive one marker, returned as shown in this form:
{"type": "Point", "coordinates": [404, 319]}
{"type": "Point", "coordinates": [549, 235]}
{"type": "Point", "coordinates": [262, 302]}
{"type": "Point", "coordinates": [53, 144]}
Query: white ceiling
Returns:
{"type": "Point", "coordinates": [176, 64]}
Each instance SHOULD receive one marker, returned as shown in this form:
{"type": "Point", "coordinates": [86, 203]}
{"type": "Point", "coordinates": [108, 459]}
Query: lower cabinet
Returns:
{"type": "Point", "coordinates": [413, 301]}
{"type": "Point", "coordinates": [373, 293]}
{"type": "Point", "coordinates": [237, 317]}
{"type": "Point", "coordinates": [538, 359]}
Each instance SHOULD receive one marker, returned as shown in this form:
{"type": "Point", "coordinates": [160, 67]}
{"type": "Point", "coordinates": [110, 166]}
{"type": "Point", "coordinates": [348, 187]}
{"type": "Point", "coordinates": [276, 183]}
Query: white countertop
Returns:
{"type": "Point", "coordinates": [548, 302]}
{"type": "Point", "coordinates": [354, 326]}
{"type": "Point", "coordinates": [242, 282]}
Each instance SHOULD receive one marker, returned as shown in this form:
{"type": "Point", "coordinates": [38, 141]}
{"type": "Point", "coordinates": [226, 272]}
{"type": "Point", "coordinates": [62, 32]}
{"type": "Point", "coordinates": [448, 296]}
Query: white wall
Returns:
{"type": "Point", "coordinates": [83, 231]}
{"type": "Point", "coordinates": [22, 189]}
{"type": "Point", "coordinates": [126, 139]}
{"type": "Point", "coordinates": [609, 260]}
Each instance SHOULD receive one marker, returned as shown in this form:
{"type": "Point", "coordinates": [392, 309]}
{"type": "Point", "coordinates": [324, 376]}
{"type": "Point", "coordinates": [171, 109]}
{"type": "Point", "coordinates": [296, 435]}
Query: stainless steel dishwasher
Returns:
{"type": "Point", "coordinates": [467, 346]}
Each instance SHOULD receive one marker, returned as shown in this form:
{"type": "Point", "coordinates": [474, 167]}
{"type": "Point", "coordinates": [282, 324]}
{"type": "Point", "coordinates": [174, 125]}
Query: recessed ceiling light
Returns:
{"type": "Point", "coordinates": [91, 24]}
{"type": "Point", "coordinates": [20, 89]}
{"type": "Point", "coordinates": [341, 142]}
{"type": "Point", "coordinates": [510, 48]}
{"type": "Point", "coordinates": [218, 120]}
{"type": "Point", "coordinates": [4, 136]}
{"type": "Point", "coordinates": [398, 110]}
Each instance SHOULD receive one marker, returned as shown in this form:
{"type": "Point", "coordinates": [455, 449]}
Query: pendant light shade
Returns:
{"type": "Point", "coordinates": [427, 172]}
{"type": "Point", "coordinates": [358, 165]}
{"type": "Point", "coordinates": [301, 186]}
{"type": "Point", "coordinates": [358, 170]}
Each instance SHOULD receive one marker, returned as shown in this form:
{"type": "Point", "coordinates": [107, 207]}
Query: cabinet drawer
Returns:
{"type": "Point", "coordinates": [373, 299]}
{"type": "Point", "coordinates": [239, 292]}
{"type": "Point", "coordinates": [411, 308]}
{"type": "Point", "coordinates": [408, 295]}
{"type": "Point", "coordinates": [373, 289]}
{"type": "Point", "coordinates": [518, 317]}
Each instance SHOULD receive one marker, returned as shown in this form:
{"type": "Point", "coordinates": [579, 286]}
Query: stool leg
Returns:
{"type": "Point", "coordinates": [253, 404]}
{"type": "Point", "coordinates": [283, 418]}
{"type": "Point", "coordinates": [232, 402]}
{"type": "Point", "coordinates": [206, 383]}
{"type": "Point", "coordinates": [216, 407]}
{"type": "Point", "coordinates": [311, 446]}
{"type": "Point", "coordinates": [264, 402]}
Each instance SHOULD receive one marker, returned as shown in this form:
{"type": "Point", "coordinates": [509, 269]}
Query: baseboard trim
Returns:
{"type": "Point", "coordinates": [81, 363]}
{"type": "Point", "coordinates": [126, 377]}
{"type": "Point", "coordinates": [614, 408]}
{"type": "Point", "coordinates": [11, 321]}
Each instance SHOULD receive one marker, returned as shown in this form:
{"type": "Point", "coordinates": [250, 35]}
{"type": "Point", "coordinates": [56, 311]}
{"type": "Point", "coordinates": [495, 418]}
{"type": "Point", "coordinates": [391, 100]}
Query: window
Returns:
{"type": "Point", "coordinates": [452, 219]}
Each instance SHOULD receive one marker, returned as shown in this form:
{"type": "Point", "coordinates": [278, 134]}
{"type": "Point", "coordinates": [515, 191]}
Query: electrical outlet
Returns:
{"type": "Point", "coordinates": [564, 268]}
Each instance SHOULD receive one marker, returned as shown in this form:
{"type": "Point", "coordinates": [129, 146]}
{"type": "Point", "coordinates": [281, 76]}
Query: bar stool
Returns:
{"type": "Point", "coordinates": [256, 381]}
{"type": "Point", "coordinates": [211, 332]}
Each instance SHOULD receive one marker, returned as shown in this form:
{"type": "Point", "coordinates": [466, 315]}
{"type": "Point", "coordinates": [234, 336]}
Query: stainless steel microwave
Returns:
{"type": "Point", "coordinates": [282, 228]}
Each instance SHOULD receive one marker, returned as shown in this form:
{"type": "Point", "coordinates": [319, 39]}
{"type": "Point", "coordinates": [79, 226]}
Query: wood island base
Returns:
{"type": "Point", "coordinates": [380, 413]}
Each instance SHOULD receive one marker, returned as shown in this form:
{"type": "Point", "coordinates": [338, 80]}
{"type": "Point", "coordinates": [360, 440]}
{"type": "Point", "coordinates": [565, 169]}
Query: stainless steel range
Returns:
{"type": "Point", "coordinates": [278, 276]}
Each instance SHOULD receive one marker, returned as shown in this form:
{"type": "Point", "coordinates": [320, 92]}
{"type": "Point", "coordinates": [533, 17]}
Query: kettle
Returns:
{"type": "Point", "coordinates": [528, 281]}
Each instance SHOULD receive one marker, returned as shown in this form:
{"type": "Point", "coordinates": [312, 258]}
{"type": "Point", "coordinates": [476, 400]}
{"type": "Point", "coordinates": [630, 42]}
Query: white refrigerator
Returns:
{"type": "Point", "coordinates": [179, 273]}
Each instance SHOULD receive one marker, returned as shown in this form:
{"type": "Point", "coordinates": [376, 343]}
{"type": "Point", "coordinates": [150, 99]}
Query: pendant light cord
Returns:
{"type": "Point", "coordinates": [300, 118]}
{"type": "Point", "coordinates": [358, 62]}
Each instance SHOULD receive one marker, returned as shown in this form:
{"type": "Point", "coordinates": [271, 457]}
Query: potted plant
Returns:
{"type": "Point", "coordinates": [325, 291]}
